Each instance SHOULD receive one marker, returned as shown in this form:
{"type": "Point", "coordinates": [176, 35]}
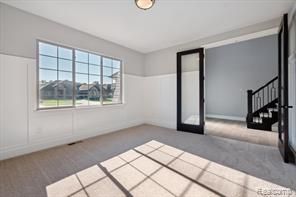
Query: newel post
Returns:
{"type": "Point", "coordinates": [250, 106]}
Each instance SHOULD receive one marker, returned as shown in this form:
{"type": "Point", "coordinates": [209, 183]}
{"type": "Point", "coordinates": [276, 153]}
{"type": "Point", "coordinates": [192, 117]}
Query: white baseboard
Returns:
{"type": "Point", "coordinates": [226, 117]}
{"type": "Point", "coordinates": [52, 142]}
{"type": "Point", "coordinates": [161, 123]}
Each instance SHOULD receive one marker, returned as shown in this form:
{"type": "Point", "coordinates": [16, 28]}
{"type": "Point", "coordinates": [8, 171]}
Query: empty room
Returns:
{"type": "Point", "coordinates": [154, 98]}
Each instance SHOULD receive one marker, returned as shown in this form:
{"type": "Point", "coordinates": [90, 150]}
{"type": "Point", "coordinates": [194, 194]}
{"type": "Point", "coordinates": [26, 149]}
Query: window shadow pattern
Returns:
{"type": "Point", "coordinates": [157, 169]}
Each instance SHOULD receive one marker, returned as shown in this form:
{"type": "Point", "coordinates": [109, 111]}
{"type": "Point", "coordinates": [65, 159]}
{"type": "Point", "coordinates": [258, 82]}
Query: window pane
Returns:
{"type": "Point", "coordinates": [115, 72]}
{"type": "Point", "coordinates": [65, 89]}
{"type": "Point", "coordinates": [116, 64]}
{"type": "Point", "coordinates": [94, 59]}
{"type": "Point", "coordinates": [116, 92]}
{"type": "Point", "coordinates": [81, 56]}
{"type": "Point", "coordinates": [81, 68]}
{"type": "Point", "coordinates": [65, 65]}
{"type": "Point", "coordinates": [81, 89]}
{"type": "Point", "coordinates": [47, 76]}
{"type": "Point", "coordinates": [107, 71]}
{"type": "Point", "coordinates": [65, 53]}
{"type": "Point", "coordinates": [48, 49]}
{"type": "Point", "coordinates": [111, 94]}
{"type": "Point", "coordinates": [48, 62]}
{"type": "Point", "coordinates": [81, 78]}
{"type": "Point", "coordinates": [56, 77]}
{"type": "Point", "coordinates": [94, 70]}
{"type": "Point", "coordinates": [47, 88]}
{"type": "Point", "coordinates": [107, 91]}
{"type": "Point", "coordinates": [107, 62]}
{"type": "Point", "coordinates": [94, 90]}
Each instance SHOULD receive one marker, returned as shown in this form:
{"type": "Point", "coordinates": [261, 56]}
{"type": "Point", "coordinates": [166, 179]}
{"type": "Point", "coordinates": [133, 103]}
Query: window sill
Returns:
{"type": "Point", "coordinates": [93, 107]}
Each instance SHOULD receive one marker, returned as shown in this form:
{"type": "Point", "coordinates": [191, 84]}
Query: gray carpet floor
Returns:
{"type": "Point", "coordinates": [29, 175]}
{"type": "Point", "coordinates": [238, 130]}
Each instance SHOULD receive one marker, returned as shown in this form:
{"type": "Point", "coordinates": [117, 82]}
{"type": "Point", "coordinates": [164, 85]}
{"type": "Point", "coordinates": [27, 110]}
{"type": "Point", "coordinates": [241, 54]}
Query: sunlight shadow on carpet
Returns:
{"type": "Point", "coordinates": [156, 169]}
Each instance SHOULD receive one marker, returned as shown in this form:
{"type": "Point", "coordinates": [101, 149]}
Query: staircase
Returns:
{"type": "Point", "coordinates": [263, 106]}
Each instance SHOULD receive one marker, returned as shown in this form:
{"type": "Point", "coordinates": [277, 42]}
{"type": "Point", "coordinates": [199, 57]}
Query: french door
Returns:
{"type": "Point", "coordinates": [190, 91]}
{"type": "Point", "coordinates": [283, 106]}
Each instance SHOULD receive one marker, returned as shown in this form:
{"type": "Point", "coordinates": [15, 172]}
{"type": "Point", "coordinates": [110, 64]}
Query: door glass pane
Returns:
{"type": "Point", "coordinates": [281, 110]}
{"type": "Point", "coordinates": [190, 89]}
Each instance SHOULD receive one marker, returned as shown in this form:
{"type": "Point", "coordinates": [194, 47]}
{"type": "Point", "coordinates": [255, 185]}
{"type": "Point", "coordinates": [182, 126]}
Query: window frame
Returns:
{"type": "Point", "coordinates": [73, 49]}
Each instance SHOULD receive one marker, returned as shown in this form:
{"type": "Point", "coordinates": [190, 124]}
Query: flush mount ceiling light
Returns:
{"type": "Point", "coordinates": [144, 4]}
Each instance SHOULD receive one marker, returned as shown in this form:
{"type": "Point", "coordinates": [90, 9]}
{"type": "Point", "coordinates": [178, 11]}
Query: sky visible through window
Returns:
{"type": "Point", "coordinates": [51, 57]}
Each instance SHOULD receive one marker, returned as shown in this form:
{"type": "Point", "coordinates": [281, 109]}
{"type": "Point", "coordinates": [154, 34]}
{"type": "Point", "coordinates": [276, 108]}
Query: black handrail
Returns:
{"type": "Point", "coordinates": [262, 96]}
{"type": "Point", "coordinates": [265, 85]}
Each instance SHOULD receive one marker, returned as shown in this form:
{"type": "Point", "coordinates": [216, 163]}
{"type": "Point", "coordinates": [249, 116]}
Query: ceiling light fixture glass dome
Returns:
{"type": "Point", "coordinates": [144, 4]}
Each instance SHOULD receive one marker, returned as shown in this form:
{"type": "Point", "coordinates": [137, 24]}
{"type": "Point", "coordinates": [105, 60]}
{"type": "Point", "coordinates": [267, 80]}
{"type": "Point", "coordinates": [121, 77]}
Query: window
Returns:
{"type": "Point", "coordinates": [88, 78]}
{"type": "Point", "coordinates": [111, 81]}
{"type": "Point", "coordinates": [55, 76]}
{"type": "Point", "coordinates": [69, 77]}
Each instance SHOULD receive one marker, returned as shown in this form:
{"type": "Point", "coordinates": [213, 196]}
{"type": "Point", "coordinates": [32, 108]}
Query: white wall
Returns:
{"type": "Point", "coordinates": [150, 99]}
{"type": "Point", "coordinates": [19, 31]}
{"type": "Point", "coordinates": [23, 129]}
{"type": "Point", "coordinates": [292, 101]}
{"type": "Point", "coordinates": [160, 100]}
{"type": "Point", "coordinates": [163, 61]}
{"type": "Point", "coordinates": [292, 77]}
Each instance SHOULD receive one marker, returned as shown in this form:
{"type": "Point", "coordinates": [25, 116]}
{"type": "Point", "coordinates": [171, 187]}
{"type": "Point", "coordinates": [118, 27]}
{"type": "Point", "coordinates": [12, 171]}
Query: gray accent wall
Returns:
{"type": "Point", "coordinates": [19, 31]}
{"type": "Point", "coordinates": [231, 70]}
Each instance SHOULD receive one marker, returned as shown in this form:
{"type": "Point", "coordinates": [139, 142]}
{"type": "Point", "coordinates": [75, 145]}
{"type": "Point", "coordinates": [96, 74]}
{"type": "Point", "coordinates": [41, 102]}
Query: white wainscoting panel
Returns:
{"type": "Point", "coordinates": [14, 102]}
{"type": "Point", "coordinates": [24, 129]}
{"type": "Point", "coordinates": [160, 100]}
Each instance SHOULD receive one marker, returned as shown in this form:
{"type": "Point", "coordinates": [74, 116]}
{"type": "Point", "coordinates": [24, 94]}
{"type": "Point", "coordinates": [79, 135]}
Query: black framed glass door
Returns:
{"type": "Point", "coordinates": [190, 91]}
{"type": "Point", "coordinates": [283, 106]}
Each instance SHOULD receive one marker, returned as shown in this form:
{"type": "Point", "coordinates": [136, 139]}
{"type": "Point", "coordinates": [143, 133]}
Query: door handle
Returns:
{"type": "Point", "coordinates": [286, 106]}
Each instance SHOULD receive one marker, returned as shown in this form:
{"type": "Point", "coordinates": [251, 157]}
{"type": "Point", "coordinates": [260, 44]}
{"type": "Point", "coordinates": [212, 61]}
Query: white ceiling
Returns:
{"type": "Point", "coordinates": [168, 23]}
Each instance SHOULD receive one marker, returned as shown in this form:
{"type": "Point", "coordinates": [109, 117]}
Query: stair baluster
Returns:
{"type": "Point", "coordinates": [261, 105]}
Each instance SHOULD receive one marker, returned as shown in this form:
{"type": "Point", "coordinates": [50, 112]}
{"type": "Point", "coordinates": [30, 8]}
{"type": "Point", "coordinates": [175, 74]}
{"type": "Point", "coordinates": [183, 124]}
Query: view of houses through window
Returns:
{"type": "Point", "coordinates": [69, 77]}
